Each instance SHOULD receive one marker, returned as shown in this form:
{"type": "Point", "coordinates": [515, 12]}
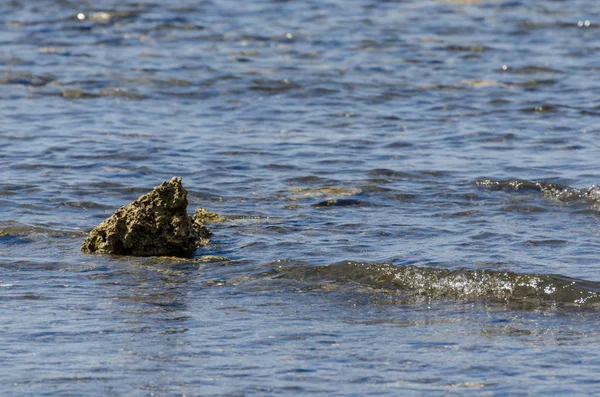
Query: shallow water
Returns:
{"type": "Point", "coordinates": [409, 193]}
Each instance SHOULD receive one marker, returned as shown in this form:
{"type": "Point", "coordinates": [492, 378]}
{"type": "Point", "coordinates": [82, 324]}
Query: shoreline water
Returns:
{"type": "Point", "coordinates": [408, 190]}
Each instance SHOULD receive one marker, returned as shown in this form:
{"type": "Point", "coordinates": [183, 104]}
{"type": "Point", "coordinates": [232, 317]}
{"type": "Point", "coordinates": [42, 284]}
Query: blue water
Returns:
{"type": "Point", "coordinates": [408, 186]}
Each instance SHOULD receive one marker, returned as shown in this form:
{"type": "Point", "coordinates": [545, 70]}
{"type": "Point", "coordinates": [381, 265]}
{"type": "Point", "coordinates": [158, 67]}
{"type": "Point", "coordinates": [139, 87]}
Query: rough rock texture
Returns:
{"type": "Point", "coordinates": [202, 216]}
{"type": "Point", "coordinates": [156, 224]}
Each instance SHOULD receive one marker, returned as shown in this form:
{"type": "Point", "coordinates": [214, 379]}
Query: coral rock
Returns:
{"type": "Point", "coordinates": [202, 216]}
{"type": "Point", "coordinates": [156, 224]}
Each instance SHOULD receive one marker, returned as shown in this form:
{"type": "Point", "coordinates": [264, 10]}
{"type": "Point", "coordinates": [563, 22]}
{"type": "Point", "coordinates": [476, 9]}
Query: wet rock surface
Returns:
{"type": "Point", "coordinates": [156, 224]}
{"type": "Point", "coordinates": [202, 216]}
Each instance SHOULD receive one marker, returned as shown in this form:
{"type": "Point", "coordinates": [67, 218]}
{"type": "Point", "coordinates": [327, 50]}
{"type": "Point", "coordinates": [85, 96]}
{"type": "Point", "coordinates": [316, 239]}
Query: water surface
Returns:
{"type": "Point", "coordinates": [408, 186]}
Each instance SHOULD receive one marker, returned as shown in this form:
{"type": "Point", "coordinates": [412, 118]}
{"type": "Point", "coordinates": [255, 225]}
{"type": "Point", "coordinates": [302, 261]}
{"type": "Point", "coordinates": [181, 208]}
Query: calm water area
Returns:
{"type": "Point", "coordinates": [409, 193]}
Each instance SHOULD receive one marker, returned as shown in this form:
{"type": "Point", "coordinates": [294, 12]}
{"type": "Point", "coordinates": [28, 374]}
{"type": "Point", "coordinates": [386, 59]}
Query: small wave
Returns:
{"type": "Point", "coordinates": [339, 203]}
{"type": "Point", "coordinates": [13, 232]}
{"type": "Point", "coordinates": [532, 69]}
{"type": "Point", "coordinates": [274, 86]}
{"type": "Point", "coordinates": [26, 79]}
{"type": "Point", "coordinates": [523, 291]}
{"type": "Point", "coordinates": [468, 48]}
{"type": "Point", "coordinates": [548, 189]}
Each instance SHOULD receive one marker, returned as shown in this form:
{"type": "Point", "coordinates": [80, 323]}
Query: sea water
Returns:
{"type": "Point", "coordinates": [408, 190]}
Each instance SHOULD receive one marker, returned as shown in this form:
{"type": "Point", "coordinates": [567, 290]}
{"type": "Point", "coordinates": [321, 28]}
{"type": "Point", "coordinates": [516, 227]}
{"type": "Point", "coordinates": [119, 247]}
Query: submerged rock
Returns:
{"type": "Point", "coordinates": [156, 224]}
{"type": "Point", "coordinates": [202, 216]}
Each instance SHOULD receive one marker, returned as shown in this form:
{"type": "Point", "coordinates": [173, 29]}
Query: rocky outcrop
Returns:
{"type": "Point", "coordinates": [202, 216]}
{"type": "Point", "coordinates": [156, 224]}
